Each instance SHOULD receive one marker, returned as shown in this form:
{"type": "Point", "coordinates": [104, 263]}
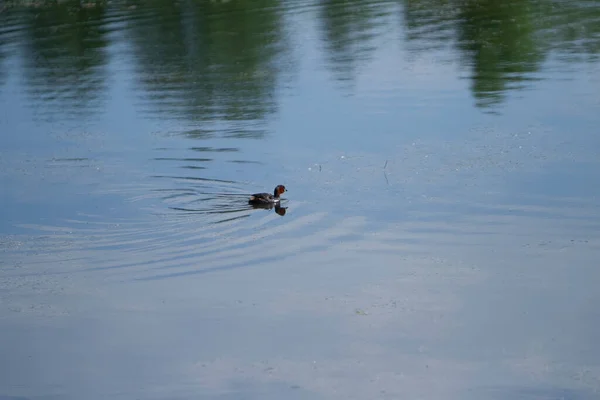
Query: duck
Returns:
{"type": "Point", "coordinates": [267, 198]}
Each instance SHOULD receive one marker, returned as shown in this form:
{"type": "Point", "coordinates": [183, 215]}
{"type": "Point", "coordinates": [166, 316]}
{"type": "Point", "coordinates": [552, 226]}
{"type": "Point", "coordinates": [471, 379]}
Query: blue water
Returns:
{"type": "Point", "coordinates": [442, 230]}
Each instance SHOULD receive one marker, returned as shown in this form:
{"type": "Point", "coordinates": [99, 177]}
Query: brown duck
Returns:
{"type": "Point", "coordinates": [267, 198]}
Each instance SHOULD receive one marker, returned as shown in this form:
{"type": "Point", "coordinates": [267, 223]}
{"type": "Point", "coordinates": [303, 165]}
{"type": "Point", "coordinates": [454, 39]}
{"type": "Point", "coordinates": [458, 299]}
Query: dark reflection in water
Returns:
{"type": "Point", "coordinates": [350, 30]}
{"type": "Point", "coordinates": [503, 44]}
{"type": "Point", "coordinates": [428, 24]}
{"type": "Point", "coordinates": [497, 41]}
{"type": "Point", "coordinates": [209, 61]}
{"type": "Point", "coordinates": [221, 63]}
{"type": "Point", "coordinates": [5, 26]}
{"type": "Point", "coordinates": [64, 46]}
{"type": "Point", "coordinates": [573, 29]}
{"type": "Point", "coordinates": [278, 209]}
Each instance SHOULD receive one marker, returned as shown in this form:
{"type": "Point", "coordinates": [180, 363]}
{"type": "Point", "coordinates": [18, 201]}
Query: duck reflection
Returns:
{"type": "Point", "coordinates": [278, 208]}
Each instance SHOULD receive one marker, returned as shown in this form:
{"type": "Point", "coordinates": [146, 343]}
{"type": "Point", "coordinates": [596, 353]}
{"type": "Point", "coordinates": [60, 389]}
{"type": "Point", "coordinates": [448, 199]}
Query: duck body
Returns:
{"type": "Point", "coordinates": [267, 198]}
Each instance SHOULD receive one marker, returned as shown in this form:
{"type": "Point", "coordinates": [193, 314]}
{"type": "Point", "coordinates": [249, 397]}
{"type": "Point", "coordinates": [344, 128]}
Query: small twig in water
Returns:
{"type": "Point", "coordinates": [384, 174]}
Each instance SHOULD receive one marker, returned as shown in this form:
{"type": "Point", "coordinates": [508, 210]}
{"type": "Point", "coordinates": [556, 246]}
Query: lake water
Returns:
{"type": "Point", "coordinates": [441, 237]}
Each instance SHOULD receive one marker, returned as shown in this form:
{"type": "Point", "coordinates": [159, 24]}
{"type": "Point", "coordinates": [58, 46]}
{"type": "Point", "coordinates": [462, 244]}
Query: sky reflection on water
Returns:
{"type": "Point", "coordinates": [440, 238]}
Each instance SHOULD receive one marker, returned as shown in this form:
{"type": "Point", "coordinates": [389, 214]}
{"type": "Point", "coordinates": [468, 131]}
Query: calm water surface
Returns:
{"type": "Point", "coordinates": [442, 232]}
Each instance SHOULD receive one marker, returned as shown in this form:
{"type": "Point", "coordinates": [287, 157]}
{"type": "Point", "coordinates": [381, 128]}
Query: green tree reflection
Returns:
{"type": "Point", "coordinates": [429, 24]}
{"type": "Point", "coordinates": [210, 61]}
{"type": "Point", "coordinates": [3, 50]}
{"type": "Point", "coordinates": [498, 42]}
{"type": "Point", "coordinates": [7, 37]}
{"type": "Point", "coordinates": [350, 29]}
{"type": "Point", "coordinates": [573, 31]}
{"type": "Point", "coordinates": [64, 56]}
{"type": "Point", "coordinates": [503, 43]}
